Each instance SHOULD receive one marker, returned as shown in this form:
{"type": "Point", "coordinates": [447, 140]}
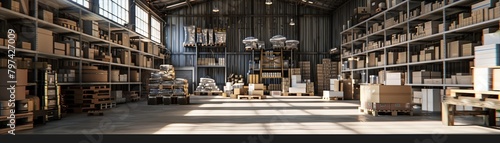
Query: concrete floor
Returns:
{"type": "Point", "coordinates": [283, 115]}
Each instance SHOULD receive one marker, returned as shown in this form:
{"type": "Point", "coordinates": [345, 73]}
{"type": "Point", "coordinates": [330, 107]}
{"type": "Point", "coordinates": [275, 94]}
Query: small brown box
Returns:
{"type": "Point", "coordinates": [46, 16]}
{"type": "Point", "coordinates": [59, 46]}
{"type": "Point", "coordinates": [26, 45]}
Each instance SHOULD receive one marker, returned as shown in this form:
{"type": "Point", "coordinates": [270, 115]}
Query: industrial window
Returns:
{"type": "Point", "coordinates": [84, 3]}
{"type": "Point", "coordinates": [155, 30]}
{"type": "Point", "coordinates": [116, 10]}
{"type": "Point", "coordinates": [141, 21]}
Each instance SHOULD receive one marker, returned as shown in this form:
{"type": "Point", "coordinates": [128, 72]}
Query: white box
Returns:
{"type": "Point", "coordinates": [300, 85]}
{"type": "Point", "coordinates": [491, 38]}
{"type": "Point", "coordinates": [295, 79]}
{"type": "Point", "coordinates": [464, 79]}
{"type": "Point", "coordinates": [431, 100]}
{"type": "Point", "coordinates": [327, 93]}
{"type": "Point", "coordinates": [417, 94]}
{"type": "Point", "coordinates": [123, 78]}
{"type": "Point", "coordinates": [394, 78]}
{"type": "Point", "coordinates": [496, 79]}
{"type": "Point", "coordinates": [275, 93]}
{"type": "Point", "coordinates": [296, 90]}
{"type": "Point", "coordinates": [335, 84]}
{"type": "Point", "coordinates": [482, 78]}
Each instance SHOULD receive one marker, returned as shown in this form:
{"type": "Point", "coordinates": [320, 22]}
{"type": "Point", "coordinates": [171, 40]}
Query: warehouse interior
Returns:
{"type": "Point", "coordinates": [250, 66]}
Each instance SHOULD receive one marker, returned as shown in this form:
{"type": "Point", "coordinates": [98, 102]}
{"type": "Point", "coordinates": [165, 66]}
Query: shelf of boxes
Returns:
{"type": "Point", "coordinates": [95, 40]}
{"type": "Point", "coordinates": [439, 36]}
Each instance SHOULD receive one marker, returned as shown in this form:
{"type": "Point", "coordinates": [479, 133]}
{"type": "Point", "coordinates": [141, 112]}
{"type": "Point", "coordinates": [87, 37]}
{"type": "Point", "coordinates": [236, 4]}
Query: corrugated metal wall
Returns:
{"type": "Point", "coordinates": [313, 29]}
{"type": "Point", "coordinates": [341, 15]}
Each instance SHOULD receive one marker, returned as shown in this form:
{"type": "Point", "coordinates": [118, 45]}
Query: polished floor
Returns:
{"type": "Point", "coordinates": [282, 115]}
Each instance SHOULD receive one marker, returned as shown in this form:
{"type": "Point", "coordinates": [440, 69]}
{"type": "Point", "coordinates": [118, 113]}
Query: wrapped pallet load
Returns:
{"type": "Point", "coordinates": [189, 35]}
{"type": "Point", "coordinates": [278, 41]}
{"type": "Point", "coordinates": [292, 44]}
{"type": "Point", "coordinates": [250, 43]}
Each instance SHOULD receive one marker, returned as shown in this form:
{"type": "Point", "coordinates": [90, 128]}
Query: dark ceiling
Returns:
{"type": "Point", "coordinates": [166, 6]}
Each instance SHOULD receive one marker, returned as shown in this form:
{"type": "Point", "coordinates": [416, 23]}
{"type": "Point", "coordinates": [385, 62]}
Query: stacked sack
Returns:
{"type": "Point", "coordinates": [164, 83]}
{"type": "Point", "coordinates": [206, 85]}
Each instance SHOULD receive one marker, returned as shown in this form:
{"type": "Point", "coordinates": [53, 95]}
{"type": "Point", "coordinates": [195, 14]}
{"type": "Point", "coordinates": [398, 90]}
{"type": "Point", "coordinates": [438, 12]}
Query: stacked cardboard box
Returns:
{"type": "Point", "coordinates": [285, 84]}
{"type": "Point", "coordinates": [420, 77]}
{"type": "Point", "coordinates": [487, 55]}
{"type": "Point", "coordinates": [417, 97]}
{"type": "Point", "coordinates": [46, 15]}
{"type": "Point", "coordinates": [134, 76]}
{"type": "Point", "coordinates": [68, 23]}
{"type": "Point", "coordinates": [305, 69]}
{"type": "Point", "coordinates": [21, 76]}
{"type": "Point", "coordinates": [66, 75]}
{"type": "Point", "coordinates": [256, 89]}
{"type": "Point", "coordinates": [115, 75]}
{"type": "Point", "coordinates": [60, 48]}
{"type": "Point", "coordinates": [91, 28]}
{"type": "Point", "coordinates": [45, 41]}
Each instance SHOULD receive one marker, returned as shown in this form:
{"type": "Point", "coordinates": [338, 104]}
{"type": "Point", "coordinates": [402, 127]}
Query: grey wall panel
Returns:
{"type": "Point", "coordinates": [340, 17]}
{"type": "Point", "coordinates": [313, 29]}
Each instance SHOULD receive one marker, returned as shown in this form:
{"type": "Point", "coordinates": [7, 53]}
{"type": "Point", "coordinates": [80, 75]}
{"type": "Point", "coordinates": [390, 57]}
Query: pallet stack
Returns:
{"type": "Point", "coordinates": [87, 98]}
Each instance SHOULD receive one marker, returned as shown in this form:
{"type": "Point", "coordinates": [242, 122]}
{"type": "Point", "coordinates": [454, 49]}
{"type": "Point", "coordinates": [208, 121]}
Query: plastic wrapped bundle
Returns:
{"type": "Point", "coordinates": [205, 37]}
{"type": "Point", "coordinates": [278, 41]}
{"type": "Point", "coordinates": [167, 67]}
{"type": "Point", "coordinates": [189, 35]}
{"type": "Point", "coordinates": [261, 45]}
{"type": "Point", "coordinates": [199, 36]}
{"type": "Point", "coordinates": [181, 81]}
{"type": "Point", "coordinates": [250, 43]}
{"type": "Point", "coordinates": [210, 35]}
{"type": "Point", "coordinates": [220, 38]}
{"type": "Point", "coordinates": [154, 91]}
{"type": "Point", "coordinates": [292, 44]}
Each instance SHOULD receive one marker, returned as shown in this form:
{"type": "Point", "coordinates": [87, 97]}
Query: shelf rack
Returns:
{"type": "Point", "coordinates": [216, 52]}
{"type": "Point", "coordinates": [443, 14]}
{"type": "Point", "coordinates": [68, 7]}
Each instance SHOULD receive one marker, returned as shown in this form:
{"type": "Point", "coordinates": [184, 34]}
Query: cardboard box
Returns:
{"type": "Point", "coordinates": [94, 75]}
{"type": "Point", "coordinates": [123, 78]}
{"type": "Point", "coordinates": [464, 79]}
{"type": "Point", "coordinates": [134, 76]}
{"type": "Point", "coordinates": [256, 87]}
{"type": "Point", "coordinates": [415, 58]}
{"type": "Point", "coordinates": [419, 77]}
{"type": "Point", "coordinates": [454, 49]}
{"type": "Point", "coordinates": [395, 79]}
{"type": "Point", "coordinates": [386, 94]}
{"type": "Point", "coordinates": [482, 79]}
{"type": "Point", "coordinates": [45, 41]}
{"type": "Point", "coordinates": [401, 57]}
{"type": "Point", "coordinates": [15, 6]}
{"type": "Point", "coordinates": [46, 15]}
{"type": "Point", "coordinates": [21, 76]}
{"type": "Point", "coordinates": [59, 52]}
{"type": "Point", "coordinates": [467, 49]}
{"type": "Point", "coordinates": [115, 75]}
{"type": "Point", "coordinates": [20, 92]}
{"type": "Point", "coordinates": [496, 79]}
{"type": "Point", "coordinates": [257, 92]}
{"type": "Point", "coordinates": [26, 45]}
{"type": "Point", "coordinates": [392, 58]}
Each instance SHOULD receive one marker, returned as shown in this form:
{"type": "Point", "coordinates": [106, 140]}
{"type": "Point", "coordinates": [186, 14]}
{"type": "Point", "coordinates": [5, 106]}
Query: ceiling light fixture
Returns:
{"type": "Point", "coordinates": [215, 9]}
{"type": "Point", "coordinates": [304, 0]}
{"type": "Point", "coordinates": [311, 2]}
{"type": "Point", "coordinates": [291, 22]}
{"type": "Point", "coordinates": [269, 2]}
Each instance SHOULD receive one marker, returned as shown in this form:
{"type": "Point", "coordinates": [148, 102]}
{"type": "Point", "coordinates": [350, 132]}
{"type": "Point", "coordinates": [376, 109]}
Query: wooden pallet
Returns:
{"type": "Point", "coordinates": [106, 105]}
{"type": "Point", "coordinates": [297, 94]}
{"type": "Point", "coordinates": [476, 94]}
{"type": "Point", "coordinates": [103, 87]}
{"type": "Point", "coordinates": [95, 113]}
{"type": "Point", "coordinates": [393, 112]}
{"type": "Point", "coordinates": [208, 93]}
{"type": "Point", "coordinates": [250, 97]}
{"type": "Point", "coordinates": [23, 121]}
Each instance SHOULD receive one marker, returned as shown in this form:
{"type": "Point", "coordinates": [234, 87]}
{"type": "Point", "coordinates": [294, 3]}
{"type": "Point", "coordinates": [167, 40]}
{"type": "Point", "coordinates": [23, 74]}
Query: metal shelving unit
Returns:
{"type": "Point", "coordinates": [211, 70]}
{"type": "Point", "coordinates": [82, 13]}
{"type": "Point", "coordinates": [443, 14]}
